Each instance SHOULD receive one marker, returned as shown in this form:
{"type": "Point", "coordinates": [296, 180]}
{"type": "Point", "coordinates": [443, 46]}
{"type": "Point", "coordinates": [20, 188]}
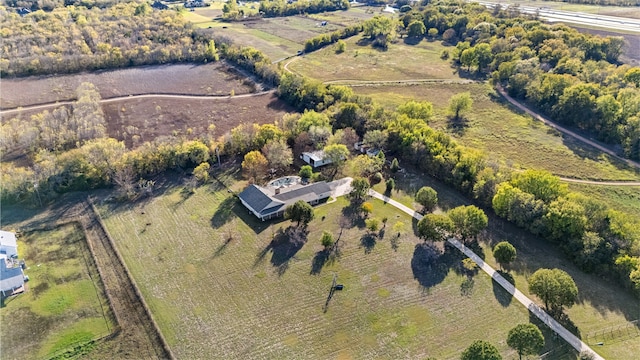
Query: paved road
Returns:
{"type": "Point", "coordinates": [140, 96]}
{"type": "Point", "coordinates": [573, 340]}
{"type": "Point", "coordinates": [565, 130]}
{"type": "Point", "coordinates": [570, 17]}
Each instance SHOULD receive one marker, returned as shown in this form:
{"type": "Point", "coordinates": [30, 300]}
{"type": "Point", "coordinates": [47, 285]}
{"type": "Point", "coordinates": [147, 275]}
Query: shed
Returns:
{"type": "Point", "coordinates": [8, 245]}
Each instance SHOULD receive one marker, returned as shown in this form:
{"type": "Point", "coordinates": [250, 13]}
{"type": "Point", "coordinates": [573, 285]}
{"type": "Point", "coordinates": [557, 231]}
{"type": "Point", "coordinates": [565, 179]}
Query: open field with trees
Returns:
{"type": "Point", "coordinates": [266, 298]}
{"type": "Point", "coordinates": [64, 310]}
{"type": "Point", "coordinates": [193, 79]}
{"type": "Point", "coordinates": [516, 140]}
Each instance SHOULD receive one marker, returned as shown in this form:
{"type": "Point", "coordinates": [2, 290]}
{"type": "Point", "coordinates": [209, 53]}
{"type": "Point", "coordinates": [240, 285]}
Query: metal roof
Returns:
{"type": "Point", "coordinates": [10, 278]}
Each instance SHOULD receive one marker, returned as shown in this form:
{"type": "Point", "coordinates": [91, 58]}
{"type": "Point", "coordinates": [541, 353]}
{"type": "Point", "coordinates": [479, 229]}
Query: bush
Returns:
{"type": "Point", "coordinates": [306, 172]}
{"type": "Point", "coordinates": [366, 208]}
{"type": "Point", "coordinates": [391, 184]}
{"type": "Point", "coordinates": [377, 178]}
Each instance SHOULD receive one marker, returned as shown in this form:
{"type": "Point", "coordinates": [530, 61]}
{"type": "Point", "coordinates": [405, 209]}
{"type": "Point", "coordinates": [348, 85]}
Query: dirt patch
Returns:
{"type": "Point", "coordinates": [207, 79]}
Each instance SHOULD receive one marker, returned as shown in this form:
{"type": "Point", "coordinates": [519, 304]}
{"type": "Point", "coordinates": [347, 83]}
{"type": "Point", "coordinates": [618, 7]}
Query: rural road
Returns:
{"type": "Point", "coordinates": [563, 130]}
{"type": "Point", "coordinates": [139, 96]}
{"type": "Point", "coordinates": [573, 340]}
{"type": "Point", "coordinates": [577, 18]}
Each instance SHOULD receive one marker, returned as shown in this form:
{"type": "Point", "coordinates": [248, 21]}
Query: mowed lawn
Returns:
{"type": "Point", "coordinates": [64, 305]}
{"type": "Point", "coordinates": [517, 140]}
{"type": "Point", "coordinates": [603, 306]}
{"type": "Point", "coordinates": [239, 298]}
{"type": "Point", "coordinates": [360, 61]}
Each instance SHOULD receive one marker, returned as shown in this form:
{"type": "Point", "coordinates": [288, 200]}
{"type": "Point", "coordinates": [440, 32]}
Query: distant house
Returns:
{"type": "Point", "coordinates": [8, 245]}
{"type": "Point", "coordinates": [159, 5]}
{"type": "Point", "coordinates": [195, 3]}
{"type": "Point", "coordinates": [315, 158]}
{"type": "Point", "coordinates": [267, 204]}
{"type": "Point", "coordinates": [11, 275]}
{"type": "Point", "coordinates": [23, 11]}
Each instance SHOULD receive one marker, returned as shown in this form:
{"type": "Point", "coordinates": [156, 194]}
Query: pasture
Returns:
{"type": "Point", "coordinates": [220, 283]}
{"type": "Point", "coordinates": [362, 62]}
{"type": "Point", "coordinates": [516, 140]}
{"type": "Point", "coordinates": [64, 308]}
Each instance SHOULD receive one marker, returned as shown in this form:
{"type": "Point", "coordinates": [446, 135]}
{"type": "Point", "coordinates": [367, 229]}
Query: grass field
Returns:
{"type": "Point", "coordinates": [622, 11]}
{"type": "Point", "coordinates": [64, 305]}
{"type": "Point", "coordinates": [245, 299]}
{"type": "Point", "coordinates": [622, 198]}
{"type": "Point", "coordinates": [514, 139]}
{"type": "Point", "coordinates": [362, 62]}
{"type": "Point", "coordinates": [278, 37]}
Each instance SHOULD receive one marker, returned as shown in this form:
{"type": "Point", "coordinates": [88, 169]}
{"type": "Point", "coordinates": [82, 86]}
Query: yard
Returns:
{"type": "Point", "coordinates": [64, 307]}
{"type": "Point", "coordinates": [256, 300]}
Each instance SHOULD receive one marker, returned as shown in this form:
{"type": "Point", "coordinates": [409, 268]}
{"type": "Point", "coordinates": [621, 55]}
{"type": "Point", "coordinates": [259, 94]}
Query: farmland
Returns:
{"type": "Point", "coordinates": [64, 305]}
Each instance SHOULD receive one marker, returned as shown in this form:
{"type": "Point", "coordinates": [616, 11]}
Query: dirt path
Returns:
{"type": "Point", "coordinates": [139, 96]}
{"type": "Point", "coordinates": [573, 340]}
{"type": "Point", "coordinates": [138, 337]}
{"type": "Point", "coordinates": [563, 130]}
{"type": "Point", "coordinates": [603, 182]}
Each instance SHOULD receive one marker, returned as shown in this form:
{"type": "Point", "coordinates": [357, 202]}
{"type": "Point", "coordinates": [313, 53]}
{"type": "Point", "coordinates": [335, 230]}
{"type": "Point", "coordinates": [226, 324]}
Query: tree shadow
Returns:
{"type": "Point", "coordinates": [467, 285]}
{"type": "Point", "coordinates": [415, 40]}
{"type": "Point", "coordinates": [319, 260]}
{"type": "Point", "coordinates": [457, 126]}
{"type": "Point", "coordinates": [221, 249]}
{"type": "Point", "coordinates": [502, 295]}
{"type": "Point", "coordinates": [284, 246]}
{"type": "Point", "coordinates": [430, 264]}
{"type": "Point", "coordinates": [224, 212]}
{"type": "Point", "coordinates": [368, 242]}
{"type": "Point", "coordinates": [353, 213]}
{"type": "Point", "coordinates": [555, 347]}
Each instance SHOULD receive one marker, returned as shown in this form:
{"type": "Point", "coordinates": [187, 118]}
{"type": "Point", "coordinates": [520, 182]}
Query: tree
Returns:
{"type": "Point", "coordinates": [483, 56]}
{"type": "Point", "coordinates": [376, 139]}
{"type": "Point", "coordinates": [327, 239]}
{"type": "Point", "coordinates": [633, 76]}
{"type": "Point", "coordinates": [366, 208]}
{"type": "Point", "coordinates": [254, 164]}
{"type": "Point", "coordinates": [434, 227]}
{"type": "Point", "coordinates": [341, 46]}
{"type": "Point", "coordinates": [300, 211]}
{"type": "Point", "coordinates": [394, 166]}
{"type": "Point", "coordinates": [526, 339]}
{"type": "Point", "coordinates": [278, 154]}
{"type": "Point", "coordinates": [417, 110]}
{"type": "Point", "coordinates": [468, 221]}
{"type": "Point", "coordinates": [427, 197]}
{"type": "Point", "coordinates": [554, 287]}
{"type": "Point", "coordinates": [416, 29]}
{"type": "Point", "coordinates": [459, 104]}
{"type": "Point", "coordinates": [467, 58]}
{"type": "Point", "coordinates": [390, 185]}
{"type": "Point", "coordinates": [337, 154]}
{"type": "Point", "coordinates": [481, 350]}
{"type": "Point", "coordinates": [201, 172]}
{"type": "Point", "coordinates": [504, 253]}
{"type": "Point", "coordinates": [372, 224]}
{"type": "Point", "coordinates": [360, 188]}
{"type": "Point", "coordinates": [306, 171]}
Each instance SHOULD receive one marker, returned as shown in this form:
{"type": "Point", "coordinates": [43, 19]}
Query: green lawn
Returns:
{"type": "Point", "coordinates": [623, 11]}
{"type": "Point", "coordinates": [64, 305]}
{"type": "Point", "coordinates": [513, 139]}
{"type": "Point", "coordinates": [362, 62]}
{"type": "Point", "coordinates": [622, 198]}
{"type": "Point", "coordinates": [602, 305]}
{"type": "Point", "coordinates": [240, 298]}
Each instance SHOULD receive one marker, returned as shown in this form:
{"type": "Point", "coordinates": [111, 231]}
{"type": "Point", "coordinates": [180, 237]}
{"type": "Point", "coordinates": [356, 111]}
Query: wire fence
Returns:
{"type": "Point", "coordinates": [614, 333]}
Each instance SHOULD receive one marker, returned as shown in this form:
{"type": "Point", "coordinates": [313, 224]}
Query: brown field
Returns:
{"type": "Point", "coordinates": [151, 118]}
{"type": "Point", "coordinates": [208, 79]}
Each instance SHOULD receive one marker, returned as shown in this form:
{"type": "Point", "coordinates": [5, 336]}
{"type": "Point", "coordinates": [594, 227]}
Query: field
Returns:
{"type": "Point", "coordinates": [256, 300]}
{"type": "Point", "coordinates": [279, 37]}
{"type": "Point", "coordinates": [64, 305]}
{"type": "Point", "coordinates": [623, 198]}
{"type": "Point", "coordinates": [622, 11]}
{"type": "Point", "coordinates": [508, 137]}
{"type": "Point", "coordinates": [362, 62]}
{"type": "Point", "coordinates": [209, 79]}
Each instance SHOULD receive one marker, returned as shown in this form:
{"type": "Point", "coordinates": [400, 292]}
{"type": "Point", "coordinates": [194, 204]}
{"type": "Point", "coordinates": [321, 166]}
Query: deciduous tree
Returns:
{"type": "Point", "coordinates": [468, 221]}
{"type": "Point", "coordinates": [459, 104]}
{"type": "Point", "coordinates": [504, 253]}
{"type": "Point", "coordinates": [554, 287]}
{"type": "Point", "coordinates": [481, 350]}
{"type": "Point", "coordinates": [427, 197]}
{"type": "Point", "coordinates": [526, 339]}
{"type": "Point", "coordinates": [254, 165]}
{"type": "Point", "coordinates": [300, 212]}
{"type": "Point", "coordinates": [434, 227]}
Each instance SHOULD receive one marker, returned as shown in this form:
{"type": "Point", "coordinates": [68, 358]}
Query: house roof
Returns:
{"type": "Point", "coordinates": [315, 155]}
{"type": "Point", "coordinates": [263, 203]}
{"type": "Point", "coordinates": [306, 193]}
{"type": "Point", "coordinates": [8, 238]}
{"type": "Point", "coordinates": [10, 278]}
{"type": "Point", "coordinates": [259, 201]}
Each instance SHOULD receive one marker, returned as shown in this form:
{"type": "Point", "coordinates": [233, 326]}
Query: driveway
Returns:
{"type": "Point", "coordinates": [340, 187]}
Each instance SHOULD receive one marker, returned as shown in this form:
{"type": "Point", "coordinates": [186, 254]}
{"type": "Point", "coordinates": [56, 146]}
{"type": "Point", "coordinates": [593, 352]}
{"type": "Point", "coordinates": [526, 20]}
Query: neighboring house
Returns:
{"type": "Point", "coordinates": [11, 278]}
{"type": "Point", "coordinates": [195, 3]}
{"type": "Point", "coordinates": [23, 11]}
{"type": "Point", "coordinates": [159, 5]}
{"type": "Point", "coordinates": [8, 245]}
{"type": "Point", "coordinates": [267, 204]}
{"type": "Point", "coordinates": [11, 275]}
{"type": "Point", "coordinates": [315, 158]}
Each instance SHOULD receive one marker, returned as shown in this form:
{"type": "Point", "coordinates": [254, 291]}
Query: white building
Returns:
{"type": "Point", "coordinates": [315, 158]}
{"type": "Point", "coordinates": [8, 245]}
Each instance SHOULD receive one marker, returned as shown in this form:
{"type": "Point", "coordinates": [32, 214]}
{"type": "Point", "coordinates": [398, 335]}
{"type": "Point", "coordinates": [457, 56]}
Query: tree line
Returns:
{"type": "Point", "coordinates": [573, 78]}
{"type": "Point", "coordinates": [74, 39]}
{"type": "Point", "coordinates": [273, 8]}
